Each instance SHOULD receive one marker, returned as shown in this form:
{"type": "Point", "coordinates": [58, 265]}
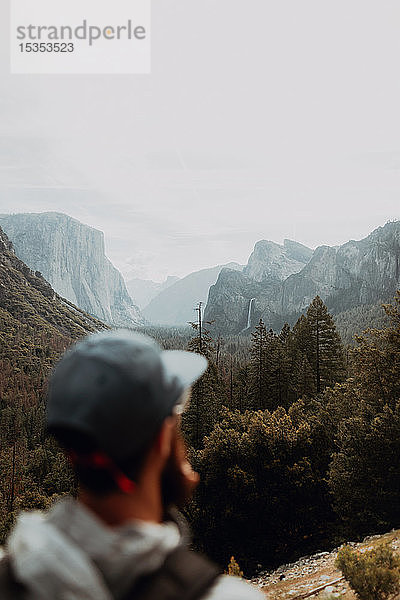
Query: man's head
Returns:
{"type": "Point", "coordinates": [113, 402]}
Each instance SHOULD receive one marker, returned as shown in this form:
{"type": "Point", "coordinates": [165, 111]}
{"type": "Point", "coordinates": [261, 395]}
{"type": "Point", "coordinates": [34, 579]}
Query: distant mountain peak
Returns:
{"type": "Point", "coordinates": [283, 280]}
{"type": "Point", "coordinates": [270, 260]}
{"type": "Point", "coordinates": [175, 305]}
{"type": "Point", "coordinates": [142, 291]}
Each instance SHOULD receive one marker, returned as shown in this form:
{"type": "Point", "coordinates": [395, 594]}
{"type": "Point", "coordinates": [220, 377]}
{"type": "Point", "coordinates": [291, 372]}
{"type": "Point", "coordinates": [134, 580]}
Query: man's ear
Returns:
{"type": "Point", "coordinates": [165, 436]}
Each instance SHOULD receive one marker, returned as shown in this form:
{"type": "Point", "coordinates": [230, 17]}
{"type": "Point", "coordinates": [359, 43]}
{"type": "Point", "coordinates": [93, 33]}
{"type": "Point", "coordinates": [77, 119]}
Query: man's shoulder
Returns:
{"type": "Point", "coordinates": [186, 574]}
{"type": "Point", "coordinates": [234, 589]}
{"type": "Point", "coordinates": [204, 579]}
{"type": "Point", "coordinates": [10, 589]}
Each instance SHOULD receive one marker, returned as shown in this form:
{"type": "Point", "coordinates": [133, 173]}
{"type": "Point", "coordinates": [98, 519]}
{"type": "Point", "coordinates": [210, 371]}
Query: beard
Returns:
{"type": "Point", "coordinates": [178, 480]}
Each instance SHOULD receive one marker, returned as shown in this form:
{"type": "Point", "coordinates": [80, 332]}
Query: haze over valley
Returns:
{"type": "Point", "coordinates": [277, 284]}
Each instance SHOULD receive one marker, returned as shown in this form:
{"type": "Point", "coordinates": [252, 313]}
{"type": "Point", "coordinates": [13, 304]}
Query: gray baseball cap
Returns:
{"type": "Point", "coordinates": [118, 387]}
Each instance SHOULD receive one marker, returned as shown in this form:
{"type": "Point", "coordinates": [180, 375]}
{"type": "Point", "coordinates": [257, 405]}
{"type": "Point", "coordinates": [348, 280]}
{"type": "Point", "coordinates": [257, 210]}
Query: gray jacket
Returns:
{"type": "Point", "coordinates": [69, 554]}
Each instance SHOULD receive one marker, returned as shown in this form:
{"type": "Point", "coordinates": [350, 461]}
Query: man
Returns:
{"type": "Point", "coordinates": [114, 402]}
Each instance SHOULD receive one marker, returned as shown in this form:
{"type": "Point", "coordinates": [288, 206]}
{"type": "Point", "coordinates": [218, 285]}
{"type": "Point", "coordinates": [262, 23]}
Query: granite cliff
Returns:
{"type": "Point", "coordinates": [273, 261]}
{"type": "Point", "coordinates": [28, 304]}
{"type": "Point", "coordinates": [357, 273]}
{"type": "Point", "coordinates": [175, 305]}
{"type": "Point", "coordinates": [71, 256]}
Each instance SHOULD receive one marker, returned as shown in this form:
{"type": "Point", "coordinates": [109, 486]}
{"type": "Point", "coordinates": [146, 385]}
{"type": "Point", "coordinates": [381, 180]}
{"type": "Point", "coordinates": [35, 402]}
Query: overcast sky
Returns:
{"type": "Point", "coordinates": [261, 119]}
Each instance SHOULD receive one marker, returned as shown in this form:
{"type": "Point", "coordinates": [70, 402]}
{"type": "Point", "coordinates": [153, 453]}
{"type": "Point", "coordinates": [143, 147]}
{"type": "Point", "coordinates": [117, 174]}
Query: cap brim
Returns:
{"type": "Point", "coordinates": [188, 367]}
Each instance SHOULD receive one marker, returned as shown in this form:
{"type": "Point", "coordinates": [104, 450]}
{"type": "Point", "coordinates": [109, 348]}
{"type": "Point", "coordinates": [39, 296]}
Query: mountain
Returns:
{"type": "Point", "coordinates": [357, 273]}
{"type": "Point", "coordinates": [142, 291]}
{"type": "Point", "coordinates": [36, 326]}
{"type": "Point", "coordinates": [175, 305]}
{"type": "Point", "coordinates": [354, 321]}
{"type": "Point", "coordinates": [273, 261]}
{"type": "Point", "coordinates": [237, 297]}
{"type": "Point", "coordinates": [30, 306]}
{"type": "Point", "coordinates": [71, 256]}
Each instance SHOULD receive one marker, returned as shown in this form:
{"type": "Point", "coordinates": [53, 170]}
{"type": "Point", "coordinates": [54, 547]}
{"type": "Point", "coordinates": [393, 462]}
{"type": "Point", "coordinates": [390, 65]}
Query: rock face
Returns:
{"type": "Point", "coordinates": [272, 261]}
{"type": "Point", "coordinates": [175, 305]}
{"type": "Point", "coordinates": [239, 298]}
{"type": "Point", "coordinates": [29, 304]}
{"type": "Point", "coordinates": [235, 295]}
{"type": "Point", "coordinates": [356, 273]}
{"type": "Point", "coordinates": [5, 244]}
{"type": "Point", "coordinates": [71, 257]}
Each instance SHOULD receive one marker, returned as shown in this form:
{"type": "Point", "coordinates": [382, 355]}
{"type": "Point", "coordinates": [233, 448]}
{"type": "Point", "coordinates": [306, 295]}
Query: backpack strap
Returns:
{"type": "Point", "coordinates": [10, 589]}
{"type": "Point", "coordinates": [185, 575]}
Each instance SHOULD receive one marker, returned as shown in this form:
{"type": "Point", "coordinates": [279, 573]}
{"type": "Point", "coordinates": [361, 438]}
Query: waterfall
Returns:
{"type": "Point", "coordinates": [249, 316]}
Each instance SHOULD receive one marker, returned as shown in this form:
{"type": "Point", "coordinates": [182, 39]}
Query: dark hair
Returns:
{"type": "Point", "coordinates": [96, 478]}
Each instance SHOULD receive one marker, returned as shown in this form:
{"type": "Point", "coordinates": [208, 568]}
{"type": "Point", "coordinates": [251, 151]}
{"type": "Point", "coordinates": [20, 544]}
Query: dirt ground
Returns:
{"type": "Point", "coordinates": [303, 578]}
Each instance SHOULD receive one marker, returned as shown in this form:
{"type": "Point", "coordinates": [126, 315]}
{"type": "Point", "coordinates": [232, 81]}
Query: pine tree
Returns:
{"type": "Point", "coordinates": [285, 333]}
{"type": "Point", "coordinates": [269, 368]}
{"type": "Point", "coordinates": [301, 382]}
{"type": "Point", "coordinates": [365, 472]}
{"type": "Point", "coordinates": [202, 343]}
{"type": "Point", "coordinates": [324, 348]}
{"type": "Point", "coordinates": [301, 335]}
{"type": "Point", "coordinates": [258, 367]}
{"type": "Point", "coordinates": [242, 389]}
{"type": "Point", "coordinates": [279, 365]}
{"type": "Point", "coordinates": [201, 414]}
{"type": "Point", "coordinates": [234, 569]}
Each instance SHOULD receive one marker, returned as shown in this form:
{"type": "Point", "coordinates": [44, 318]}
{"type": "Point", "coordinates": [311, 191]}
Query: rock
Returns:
{"type": "Point", "coordinates": [71, 257]}
{"type": "Point", "coordinates": [28, 303]}
{"type": "Point", "coordinates": [359, 272]}
{"type": "Point", "coordinates": [272, 261]}
{"type": "Point", "coordinates": [274, 286]}
{"type": "Point", "coordinates": [175, 305]}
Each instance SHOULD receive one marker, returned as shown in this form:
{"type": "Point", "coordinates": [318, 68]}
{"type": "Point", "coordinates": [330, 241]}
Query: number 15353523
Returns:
{"type": "Point", "coordinates": [46, 47]}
